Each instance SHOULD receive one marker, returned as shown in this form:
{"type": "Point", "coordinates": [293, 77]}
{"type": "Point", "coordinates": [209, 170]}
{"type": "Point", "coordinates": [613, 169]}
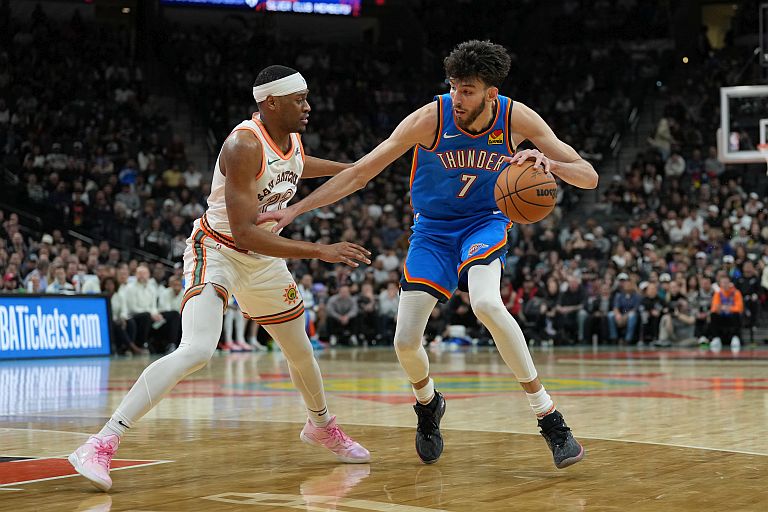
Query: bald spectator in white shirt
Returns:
{"type": "Point", "coordinates": [169, 298]}
{"type": "Point", "coordinates": [141, 304]}
{"type": "Point", "coordinates": [169, 304]}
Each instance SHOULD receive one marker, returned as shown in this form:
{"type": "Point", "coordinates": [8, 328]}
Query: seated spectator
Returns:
{"type": "Point", "coordinates": [569, 303]}
{"type": "Point", "coordinates": [367, 318]}
{"type": "Point", "coordinates": [651, 310]}
{"type": "Point", "coordinates": [342, 311]}
{"type": "Point", "coordinates": [701, 307]}
{"type": "Point", "coordinates": [389, 260]}
{"type": "Point", "coordinates": [60, 284]}
{"type": "Point", "coordinates": [435, 330]}
{"type": "Point", "coordinates": [33, 283]}
{"type": "Point", "coordinates": [141, 304]}
{"type": "Point", "coordinates": [678, 326]}
{"type": "Point", "coordinates": [546, 325]}
{"type": "Point", "coordinates": [123, 327]}
{"type": "Point", "coordinates": [595, 314]}
{"type": "Point", "coordinates": [169, 305]}
{"type": "Point", "coordinates": [725, 314]}
{"type": "Point", "coordinates": [461, 319]}
{"type": "Point", "coordinates": [520, 297]}
{"type": "Point", "coordinates": [508, 294]}
{"type": "Point", "coordinates": [388, 302]}
{"type": "Point", "coordinates": [11, 283]}
{"type": "Point", "coordinates": [749, 286]}
{"type": "Point", "coordinates": [625, 311]}
{"type": "Point", "coordinates": [86, 283]}
{"type": "Point", "coordinates": [308, 296]}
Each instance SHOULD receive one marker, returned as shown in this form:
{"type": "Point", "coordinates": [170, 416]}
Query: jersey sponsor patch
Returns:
{"type": "Point", "coordinates": [475, 248]}
{"type": "Point", "coordinates": [496, 137]}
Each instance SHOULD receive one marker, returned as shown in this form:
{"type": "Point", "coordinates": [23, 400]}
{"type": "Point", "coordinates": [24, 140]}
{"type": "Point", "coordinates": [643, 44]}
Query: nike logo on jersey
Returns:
{"type": "Point", "coordinates": [496, 212]}
{"type": "Point", "coordinates": [446, 136]}
{"type": "Point", "coordinates": [270, 162]}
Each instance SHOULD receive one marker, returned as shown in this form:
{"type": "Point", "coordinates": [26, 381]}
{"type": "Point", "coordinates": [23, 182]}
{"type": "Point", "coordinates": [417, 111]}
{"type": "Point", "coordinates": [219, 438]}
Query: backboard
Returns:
{"type": "Point", "coordinates": [743, 124]}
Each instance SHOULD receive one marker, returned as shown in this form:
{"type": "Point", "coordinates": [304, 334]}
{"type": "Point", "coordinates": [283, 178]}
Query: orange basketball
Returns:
{"type": "Point", "coordinates": [526, 195]}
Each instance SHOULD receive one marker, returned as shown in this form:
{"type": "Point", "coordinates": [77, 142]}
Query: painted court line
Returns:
{"type": "Point", "coordinates": [154, 463]}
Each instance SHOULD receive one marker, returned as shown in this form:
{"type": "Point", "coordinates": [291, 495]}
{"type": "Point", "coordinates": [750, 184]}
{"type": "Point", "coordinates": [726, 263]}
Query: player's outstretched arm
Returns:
{"type": "Point", "coordinates": [558, 157]}
{"type": "Point", "coordinates": [241, 154]}
{"type": "Point", "coordinates": [418, 128]}
{"type": "Point", "coordinates": [318, 167]}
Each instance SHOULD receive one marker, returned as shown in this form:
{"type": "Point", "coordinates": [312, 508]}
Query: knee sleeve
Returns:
{"type": "Point", "coordinates": [487, 306]}
{"type": "Point", "coordinates": [412, 317]}
{"type": "Point", "coordinates": [485, 298]}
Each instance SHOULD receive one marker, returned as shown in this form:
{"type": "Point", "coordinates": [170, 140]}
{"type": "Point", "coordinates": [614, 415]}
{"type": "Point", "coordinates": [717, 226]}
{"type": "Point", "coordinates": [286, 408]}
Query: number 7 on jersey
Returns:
{"type": "Point", "coordinates": [468, 180]}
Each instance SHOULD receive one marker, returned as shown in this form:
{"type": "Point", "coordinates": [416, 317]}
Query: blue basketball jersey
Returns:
{"type": "Point", "coordinates": [455, 177]}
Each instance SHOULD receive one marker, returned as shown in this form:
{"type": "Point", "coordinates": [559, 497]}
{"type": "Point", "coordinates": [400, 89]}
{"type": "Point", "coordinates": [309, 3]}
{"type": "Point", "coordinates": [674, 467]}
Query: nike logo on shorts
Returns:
{"type": "Point", "coordinates": [446, 136]}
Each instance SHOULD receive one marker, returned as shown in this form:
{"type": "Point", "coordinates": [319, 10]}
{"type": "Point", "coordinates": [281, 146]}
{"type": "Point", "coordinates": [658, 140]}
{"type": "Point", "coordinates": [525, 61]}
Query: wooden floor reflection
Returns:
{"type": "Point", "coordinates": [664, 431]}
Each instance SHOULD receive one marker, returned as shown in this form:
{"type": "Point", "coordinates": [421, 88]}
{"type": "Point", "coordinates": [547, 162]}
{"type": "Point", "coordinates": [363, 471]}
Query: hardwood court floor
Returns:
{"type": "Point", "coordinates": [675, 430]}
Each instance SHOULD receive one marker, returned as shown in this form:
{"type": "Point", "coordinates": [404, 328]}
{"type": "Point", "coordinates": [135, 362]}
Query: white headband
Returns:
{"type": "Point", "coordinates": [281, 87]}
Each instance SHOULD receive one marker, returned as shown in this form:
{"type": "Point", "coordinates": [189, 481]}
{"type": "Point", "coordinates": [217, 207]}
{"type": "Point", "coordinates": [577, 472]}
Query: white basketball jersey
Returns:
{"type": "Point", "coordinates": [276, 179]}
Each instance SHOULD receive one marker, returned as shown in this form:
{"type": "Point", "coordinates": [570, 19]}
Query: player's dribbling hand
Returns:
{"type": "Point", "coordinates": [344, 252]}
{"type": "Point", "coordinates": [529, 154]}
{"type": "Point", "coordinates": [281, 217]}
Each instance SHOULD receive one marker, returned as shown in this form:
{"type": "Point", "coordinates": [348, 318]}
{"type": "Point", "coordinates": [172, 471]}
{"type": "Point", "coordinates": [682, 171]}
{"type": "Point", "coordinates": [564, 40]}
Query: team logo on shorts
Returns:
{"type": "Point", "coordinates": [291, 295]}
{"type": "Point", "coordinates": [496, 137]}
{"type": "Point", "coordinates": [475, 248]}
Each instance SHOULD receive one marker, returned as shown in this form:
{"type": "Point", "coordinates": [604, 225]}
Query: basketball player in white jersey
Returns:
{"type": "Point", "coordinates": [228, 253]}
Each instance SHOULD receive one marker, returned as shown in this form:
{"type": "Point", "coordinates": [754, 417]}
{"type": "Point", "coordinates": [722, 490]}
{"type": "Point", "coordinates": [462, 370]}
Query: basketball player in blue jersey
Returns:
{"type": "Point", "coordinates": [461, 141]}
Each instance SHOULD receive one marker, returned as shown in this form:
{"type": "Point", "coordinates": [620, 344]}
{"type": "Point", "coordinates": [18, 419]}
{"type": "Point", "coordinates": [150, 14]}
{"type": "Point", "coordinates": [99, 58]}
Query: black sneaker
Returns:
{"type": "Point", "coordinates": [565, 449]}
{"type": "Point", "coordinates": [429, 441]}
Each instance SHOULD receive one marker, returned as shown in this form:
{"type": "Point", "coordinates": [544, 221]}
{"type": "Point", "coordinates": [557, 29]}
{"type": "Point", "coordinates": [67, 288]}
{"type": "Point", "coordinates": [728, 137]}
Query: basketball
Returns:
{"type": "Point", "coordinates": [525, 194]}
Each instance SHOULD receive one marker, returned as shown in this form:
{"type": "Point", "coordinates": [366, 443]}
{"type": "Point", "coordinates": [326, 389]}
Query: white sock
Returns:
{"type": "Point", "coordinates": [117, 425]}
{"type": "Point", "coordinates": [425, 394]}
{"type": "Point", "coordinates": [541, 402]}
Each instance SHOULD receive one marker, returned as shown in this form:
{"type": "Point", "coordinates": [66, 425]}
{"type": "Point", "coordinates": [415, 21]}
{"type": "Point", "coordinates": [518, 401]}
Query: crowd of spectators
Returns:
{"type": "Point", "coordinates": [99, 153]}
{"type": "Point", "coordinates": [704, 220]}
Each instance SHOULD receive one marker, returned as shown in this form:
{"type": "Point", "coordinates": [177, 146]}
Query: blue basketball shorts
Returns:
{"type": "Point", "coordinates": [442, 251]}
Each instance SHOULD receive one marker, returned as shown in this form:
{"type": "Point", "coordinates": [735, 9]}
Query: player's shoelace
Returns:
{"type": "Point", "coordinates": [557, 433]}
{"type": "Point", "coordinates": [338, 435]}
{"type": "Point", "coordinates": [104, 453]}
{"type": "Point", "coordinates": [427, 424]}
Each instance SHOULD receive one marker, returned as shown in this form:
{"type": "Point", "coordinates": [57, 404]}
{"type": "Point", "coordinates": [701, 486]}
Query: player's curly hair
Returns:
{"type": "Point", "coordinates": [485, 60]}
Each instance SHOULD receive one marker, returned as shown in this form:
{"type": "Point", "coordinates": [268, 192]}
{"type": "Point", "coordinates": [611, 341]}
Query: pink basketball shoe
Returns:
{"type": "Point", "coordinates": [93, 458]}
{"type": "Point", "coordinates": [334, 439]}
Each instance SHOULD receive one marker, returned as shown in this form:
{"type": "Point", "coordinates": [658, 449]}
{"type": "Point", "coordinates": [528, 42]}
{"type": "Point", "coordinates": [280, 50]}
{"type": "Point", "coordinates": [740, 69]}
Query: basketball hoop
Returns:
{"type": "Point", "coordinates": [763, 149]}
